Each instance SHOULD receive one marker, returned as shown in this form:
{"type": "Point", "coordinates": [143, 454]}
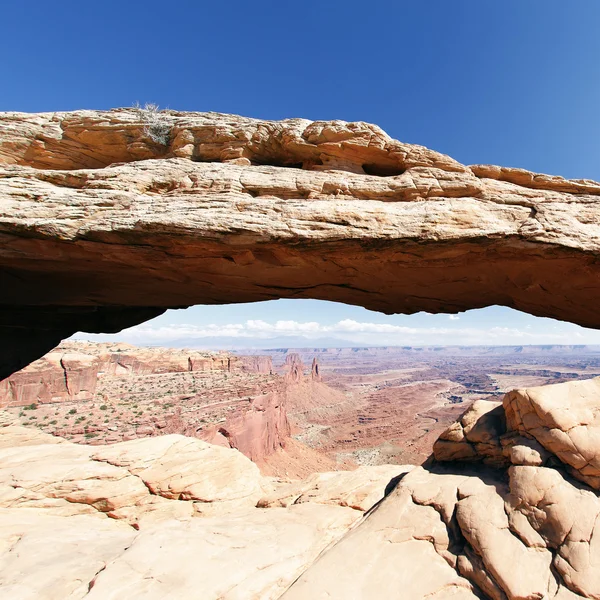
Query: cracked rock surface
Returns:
{"type": "Point", "coordinates": [501, 514]}
{"type": "Point", "coordinates": [101, 227]}
{"type": "Point", "coordinates": [164, 517]}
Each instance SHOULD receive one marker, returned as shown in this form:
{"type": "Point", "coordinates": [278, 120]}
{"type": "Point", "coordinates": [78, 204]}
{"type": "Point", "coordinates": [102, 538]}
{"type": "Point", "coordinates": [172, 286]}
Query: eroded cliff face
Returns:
{"type": "Point", "coordinates": [115, 392]}
{"type": "Point", "coordinates": [71, 371]}
{"type": "Point", "coordinates": [102, 228]}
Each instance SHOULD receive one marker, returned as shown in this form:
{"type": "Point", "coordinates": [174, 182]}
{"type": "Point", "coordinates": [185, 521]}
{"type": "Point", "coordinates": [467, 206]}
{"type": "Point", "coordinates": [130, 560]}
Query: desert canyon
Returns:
{"type": "Point", "coordinates": [294, 474]}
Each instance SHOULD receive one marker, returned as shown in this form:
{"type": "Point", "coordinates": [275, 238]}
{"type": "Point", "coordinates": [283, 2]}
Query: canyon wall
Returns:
{"type": "Point", "coordinates": [70, 372]}
{"type": "Point", "coordinates": [226, 399]}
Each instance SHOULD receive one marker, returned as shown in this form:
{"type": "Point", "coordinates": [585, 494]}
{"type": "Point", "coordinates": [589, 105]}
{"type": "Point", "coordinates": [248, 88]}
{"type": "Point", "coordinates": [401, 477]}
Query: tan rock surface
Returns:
{"type": "Point", "coordinates": [257, 210]}
{"type": "Point", "coordinates": [476, 436]}
{"type": "Point", "coordinates": [447, 530]}
{"type": "Point", "coordinates": [127, 480]}
{"type": "Point", "coordinates": [45, 557]}
{"type": "Point", "coordinates": [177, 467]}
{"type": "Point", "coordinates": [359, 489]}
{"type": "Point", "coordinates": [183, 522]}
{"type": "Point", "coordinates": [565, 419]}
{"type": "Point", "coordinates": [253, 556]}
{"type": "Point", "coordinates": [395, 553]}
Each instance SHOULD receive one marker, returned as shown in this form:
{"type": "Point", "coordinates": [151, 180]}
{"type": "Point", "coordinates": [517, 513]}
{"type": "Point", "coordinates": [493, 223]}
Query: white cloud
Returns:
{"type": "Point", "coordinates": [453, 317]}
{"type": "Point", "coordinates": [346, 331]}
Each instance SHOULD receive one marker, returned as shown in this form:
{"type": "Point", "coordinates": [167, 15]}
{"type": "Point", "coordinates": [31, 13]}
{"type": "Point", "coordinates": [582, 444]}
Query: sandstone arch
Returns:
{"type": "Point", "coordinates": [102, 228]}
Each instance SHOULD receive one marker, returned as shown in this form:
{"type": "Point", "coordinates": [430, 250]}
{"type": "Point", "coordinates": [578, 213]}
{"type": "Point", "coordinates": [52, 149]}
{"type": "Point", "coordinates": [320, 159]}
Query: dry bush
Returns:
{"type": "Point", "coordinates": [156, 126]}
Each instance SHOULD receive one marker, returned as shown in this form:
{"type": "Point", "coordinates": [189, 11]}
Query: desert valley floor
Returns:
{"type": "Point", "coordinates": [292, 411]}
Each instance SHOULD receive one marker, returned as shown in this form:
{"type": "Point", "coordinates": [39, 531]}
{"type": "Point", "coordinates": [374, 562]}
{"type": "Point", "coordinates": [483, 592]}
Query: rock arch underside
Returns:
{"type": "Point", "coordinates": [109, 218]}
{"type": "Point", "coordinates": [102, 228]}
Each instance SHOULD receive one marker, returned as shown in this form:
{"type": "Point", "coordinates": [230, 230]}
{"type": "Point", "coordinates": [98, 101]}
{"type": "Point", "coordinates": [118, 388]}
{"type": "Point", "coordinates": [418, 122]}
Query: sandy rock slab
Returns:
{"type": "Point", "coordinates": [167, 517]}
{"type": "Point", "coordinates": [252, 556]}
{"type": "Point", "coordinates": [255, 555]}
{"type": "Point", "coordinates": [183, 468]}
{"type": "Point", "coordinates": [45, 557]}
{"type": "Point", "coordinates": [164, 477]}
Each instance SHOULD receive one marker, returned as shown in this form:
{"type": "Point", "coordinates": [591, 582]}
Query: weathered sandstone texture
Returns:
{"type": "Point", "coordinates": [160, 518]}
{"type": "Point", "coordinates": [101, 227]}
{"type": "Point", "coordinates": [519, 527]}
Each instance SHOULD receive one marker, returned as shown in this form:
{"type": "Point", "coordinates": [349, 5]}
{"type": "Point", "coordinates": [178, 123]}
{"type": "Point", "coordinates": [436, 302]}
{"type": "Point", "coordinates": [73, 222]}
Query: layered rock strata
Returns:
{"type": "Point", "coordinates": [102, 227]}
{"type": "Point", "coordinates": [70, 372]}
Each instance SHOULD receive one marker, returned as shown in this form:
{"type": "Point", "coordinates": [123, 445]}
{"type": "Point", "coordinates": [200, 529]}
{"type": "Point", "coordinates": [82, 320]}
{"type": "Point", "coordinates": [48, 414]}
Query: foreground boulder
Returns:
{"type": "Point", "coordinates": [164, 517]}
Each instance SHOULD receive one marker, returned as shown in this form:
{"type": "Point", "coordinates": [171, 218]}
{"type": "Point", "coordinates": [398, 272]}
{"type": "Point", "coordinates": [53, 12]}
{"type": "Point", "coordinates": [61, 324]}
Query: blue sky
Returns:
{"type": "Point", "coordinates": [515, 83]}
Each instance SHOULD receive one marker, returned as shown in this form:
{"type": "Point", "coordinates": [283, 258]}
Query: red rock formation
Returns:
{"type": "Point", "coordinates": [257, 364]}
{"type": "Point", "coordinates": [70, 372]}
{"type": "Point", "coordinates": [245, 409]}
{"type": "Point", "coordinates": [57, 377]}
{"type": "Point", "coordinates": [314, 372]}
{"type": "Point", "coordinates": [294, 368]}
{"type": "Point", "coordinates": [258, 429]}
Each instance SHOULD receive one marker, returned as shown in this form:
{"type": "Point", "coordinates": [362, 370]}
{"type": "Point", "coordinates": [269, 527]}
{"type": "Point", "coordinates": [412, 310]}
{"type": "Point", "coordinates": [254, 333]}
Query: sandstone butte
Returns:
{"type": "Point", "coordinates": [102, 228]}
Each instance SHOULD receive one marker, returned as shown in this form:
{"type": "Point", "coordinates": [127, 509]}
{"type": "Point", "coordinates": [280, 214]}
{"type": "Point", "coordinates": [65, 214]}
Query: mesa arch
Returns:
{"type": "Point", "coordinates": [102, 228]}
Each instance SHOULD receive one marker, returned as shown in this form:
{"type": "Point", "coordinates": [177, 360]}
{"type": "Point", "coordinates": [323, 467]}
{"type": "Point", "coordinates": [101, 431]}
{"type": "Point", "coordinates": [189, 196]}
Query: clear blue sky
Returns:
{"type": "Point", "coordinates": [515, 83]}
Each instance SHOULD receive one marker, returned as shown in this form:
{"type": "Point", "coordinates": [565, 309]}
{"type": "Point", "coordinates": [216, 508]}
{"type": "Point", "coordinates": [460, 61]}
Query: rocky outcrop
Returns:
{"type": "Point", "coordinates": [258, 429]}
{"type": "Point", "coordinates": [314, 371]}
{"type": "Point", "coordinates": [257, 364]}
{"type": "Point", "coordinates": [102, 227]}
{"type": "Point", "coordinates": [359, 489]}
{"type": "Point", "coordinates": [501, 517]}
{"type": "Point", "coordinates": [565, 420]}
{"type": "Point", "coordinates": [70, 372]}
{"type": "Point", "coordinates": [59, 376]}
{"type": "Point", "coordinates": [182, 520]}
{"type": "Point", "coordinates": [293, 368]}
{"type": "Point", "coordinates": [476, 436]}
